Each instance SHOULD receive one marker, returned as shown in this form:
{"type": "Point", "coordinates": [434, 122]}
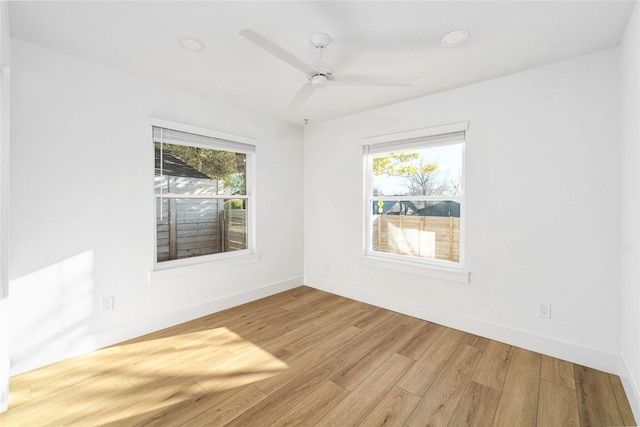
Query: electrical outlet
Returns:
{"type": "Point", "coordinates": [107, 304]}
{"type": "Point", "coordinates": [544, 310]}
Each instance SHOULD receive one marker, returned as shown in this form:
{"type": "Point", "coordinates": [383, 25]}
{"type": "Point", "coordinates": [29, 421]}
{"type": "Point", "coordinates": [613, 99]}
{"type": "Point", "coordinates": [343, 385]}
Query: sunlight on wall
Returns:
{"type": "Point", "coordinates": [48, 311]}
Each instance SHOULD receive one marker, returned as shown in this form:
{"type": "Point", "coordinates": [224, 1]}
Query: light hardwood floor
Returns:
{"type": "Point", "coordinates": [309, 358]}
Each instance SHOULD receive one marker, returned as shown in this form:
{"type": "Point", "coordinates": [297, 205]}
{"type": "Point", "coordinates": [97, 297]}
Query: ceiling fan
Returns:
{"type": "Point", "coordinates": [320, 73]}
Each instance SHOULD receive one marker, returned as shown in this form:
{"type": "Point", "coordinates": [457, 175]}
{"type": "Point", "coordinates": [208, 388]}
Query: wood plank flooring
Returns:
{"type": "Point", "coordinates": [309, 358]}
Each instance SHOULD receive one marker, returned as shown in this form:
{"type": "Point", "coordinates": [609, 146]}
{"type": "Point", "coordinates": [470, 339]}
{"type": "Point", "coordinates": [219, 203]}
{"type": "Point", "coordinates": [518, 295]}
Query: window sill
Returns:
{"type": "Point", "coordinates": [180, 271]}
{"type": "Point", "coordinates": [450, 274]}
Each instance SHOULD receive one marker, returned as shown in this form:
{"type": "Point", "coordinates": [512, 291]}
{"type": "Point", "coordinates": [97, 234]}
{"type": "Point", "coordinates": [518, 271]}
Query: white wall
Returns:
{"type": "Point", "coordinates": [542, 174]}
{"type": "Point", "coordinates": [630, 211]}
{"type": "Point", "coordinates": [4, 204]}
{"type": "Point", "coordinates": [82, 217]}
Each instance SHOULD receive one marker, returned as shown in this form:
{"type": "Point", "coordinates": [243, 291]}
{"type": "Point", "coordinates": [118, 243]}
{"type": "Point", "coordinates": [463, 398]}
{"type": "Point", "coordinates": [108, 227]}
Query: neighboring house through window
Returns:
{"type": "Point", "coordinates": [415, 196]}
{"type": "Point", "coordinates": [203, 195]}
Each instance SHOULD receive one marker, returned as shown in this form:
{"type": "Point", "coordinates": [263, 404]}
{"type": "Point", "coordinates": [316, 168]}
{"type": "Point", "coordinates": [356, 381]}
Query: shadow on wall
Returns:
{"type": "Point", "coordinates": [48, 312]}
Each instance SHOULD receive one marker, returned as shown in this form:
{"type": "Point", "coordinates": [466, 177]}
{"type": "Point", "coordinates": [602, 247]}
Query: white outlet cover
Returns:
{"type": "Point", "coordinates": [107, 304]}
{"type": "Point", "coordinates": [544, 310]}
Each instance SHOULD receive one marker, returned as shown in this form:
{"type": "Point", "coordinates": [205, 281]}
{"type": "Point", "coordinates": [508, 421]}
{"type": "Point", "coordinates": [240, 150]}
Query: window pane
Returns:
{"type": "Point", "coordinates": [193, 227]}
{"type": "Point", "coordinates": [428, 171]}
{"type": "Point", "coordinates": [182, 169]}
{"type": "Point", "coordinates": [425, 229]}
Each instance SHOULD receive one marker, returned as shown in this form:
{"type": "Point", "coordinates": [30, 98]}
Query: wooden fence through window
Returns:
{"type": "Point", "coordinates": [195, 227]}
{"type": "Point", "coordinates": [421, 236]}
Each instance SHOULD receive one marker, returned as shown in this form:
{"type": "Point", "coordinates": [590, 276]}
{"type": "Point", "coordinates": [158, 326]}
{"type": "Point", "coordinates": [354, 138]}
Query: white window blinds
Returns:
{"type": "Point", "coordinates": [416, 142]}
{"type": "Point", "coordinates": [171, 136]}
{"type": "Point", "coordinates": [453, 133]}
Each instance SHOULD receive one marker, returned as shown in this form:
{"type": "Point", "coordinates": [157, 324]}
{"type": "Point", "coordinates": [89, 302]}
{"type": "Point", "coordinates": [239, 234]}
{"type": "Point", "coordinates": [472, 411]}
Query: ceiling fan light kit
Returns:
{"type": "Point", "coordinates": [319, 80]}
{"type": "Point", "coordinates": [319, 73]}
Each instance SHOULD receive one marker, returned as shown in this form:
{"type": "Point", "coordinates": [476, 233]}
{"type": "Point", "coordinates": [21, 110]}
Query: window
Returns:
{"type": "Point", "coordinates": [203, 195]}
{"type": "Point", "coordinates": [415, 197]}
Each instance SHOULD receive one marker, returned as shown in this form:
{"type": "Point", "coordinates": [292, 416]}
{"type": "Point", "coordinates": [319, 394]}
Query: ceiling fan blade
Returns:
{"type": "Point", "coordinates": [373, 80]}
{"type": "Point", "coordinates": [301, 97]}
{"type": "Point", "coordinates": [276, 50]}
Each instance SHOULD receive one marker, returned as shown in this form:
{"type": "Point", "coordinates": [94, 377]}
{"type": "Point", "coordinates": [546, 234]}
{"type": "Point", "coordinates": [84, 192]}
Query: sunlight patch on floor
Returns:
{"type": "Point", "coordinates": [133, 375]}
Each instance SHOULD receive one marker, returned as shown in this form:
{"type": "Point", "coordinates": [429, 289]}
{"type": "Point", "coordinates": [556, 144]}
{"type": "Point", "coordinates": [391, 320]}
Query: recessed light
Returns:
{"type": "Point", "coordinates": [454, 37]}
{"type": "Point", "coordinates": [191, 44]}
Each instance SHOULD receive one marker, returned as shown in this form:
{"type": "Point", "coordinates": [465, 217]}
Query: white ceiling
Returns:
{"type": "Point", "coordinates": [382, 37]}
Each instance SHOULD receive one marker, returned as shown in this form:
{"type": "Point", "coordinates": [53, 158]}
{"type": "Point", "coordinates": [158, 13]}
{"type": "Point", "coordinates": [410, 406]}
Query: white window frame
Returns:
{"type": "Point", "coordinates": [228, 258]}
{"type": "Point", "coordinates": [419, 138]}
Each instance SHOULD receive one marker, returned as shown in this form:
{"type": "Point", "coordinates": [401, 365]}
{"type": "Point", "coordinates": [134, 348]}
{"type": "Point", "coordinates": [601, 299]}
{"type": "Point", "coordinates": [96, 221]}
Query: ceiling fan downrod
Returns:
{"type": "Point", "coordinates": [322, 69]}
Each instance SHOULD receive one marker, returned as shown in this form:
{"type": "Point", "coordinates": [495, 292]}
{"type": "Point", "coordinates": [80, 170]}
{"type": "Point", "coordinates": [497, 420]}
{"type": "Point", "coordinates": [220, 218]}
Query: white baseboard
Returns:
{"type": "Point", "coordinates": [545, 345]}
{"type": "Point", "coordinates": [631, 388]}
{"type": "Point", "coordinates": [57, 352]}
